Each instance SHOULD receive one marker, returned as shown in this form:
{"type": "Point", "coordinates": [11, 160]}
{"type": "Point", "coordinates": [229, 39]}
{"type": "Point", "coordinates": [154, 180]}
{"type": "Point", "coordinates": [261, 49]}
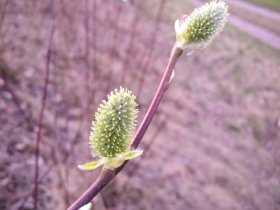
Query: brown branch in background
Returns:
{"type": "Point", "coordinates": [109, 31]}
{"type": "Point", "coordinates": [3, 14]}
{"type": "Point", "coordinates": [151, 45]}
{"type": "Point", "coordinates": [41, 179]}
{"type": "Point", "coordinates": [146, 148]}
{"type": "Point", "coordinates": [2, 68]}
{"type": "Point", "coordinates": [87, 65]}
{"type": "Point", "coordinates": [40, 120]}
{"type": "Point", "coordinates": [55, 147]}
{"type": "Point", "coordinates": [34, 5]}
{"type": "Point", "coordinates": [66, 156]}
{"type": "Point", "coordinates": [115, 25]}
{"type": "Point", "coordinates": [14, 96]}
{"type": "Point", "coordinates": [106, 176]}
{"type": "Point", "coordinates": [113, 46]}
{"type": "Point", "coordinates": [130, 45]}
{"type": "Point", "coordinates": [104, 23]}
{"type": "Point", "coordinates": [95, 75]}
{"type": "Point", "coordinates": [108, 24]}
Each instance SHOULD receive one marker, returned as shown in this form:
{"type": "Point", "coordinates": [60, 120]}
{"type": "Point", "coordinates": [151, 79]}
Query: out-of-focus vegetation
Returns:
{"type": "Point", "coordinates": [213, 144]}
{"type": "Point", "coordinates": [271, 4]}
{"type": "Point", "coordinates": [266, 23]}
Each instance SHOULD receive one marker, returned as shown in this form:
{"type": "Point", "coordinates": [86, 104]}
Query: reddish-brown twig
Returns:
{"type": "Point", "coordinates": [149, 54]}
{"type": "Point", "coordinates": [113, 46]}
{"type": "Point", "coordinates": [41, 179]}
{"type": "Point", "coordinates": [106, 176]}
{"type": "Point", "coordinates": [95, 75]}
{"type": "Point", "coordinates": [14, 96]}
{"type": "Point", "coordinates": [40, 121]}
{"type": "Point", "coordinates": [87, 57]}
{"type": "Point", "coordinates": [129, 49]}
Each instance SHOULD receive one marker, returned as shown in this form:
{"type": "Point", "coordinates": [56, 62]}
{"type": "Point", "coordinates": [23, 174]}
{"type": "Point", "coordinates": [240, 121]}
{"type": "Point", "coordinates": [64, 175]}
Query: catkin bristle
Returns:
{"type": "Point", "coordinates": [206, 21]}
{"type": "Point", "coordinates": [115, 121]}
{"type": "Point", "coordinates": [203, 24]}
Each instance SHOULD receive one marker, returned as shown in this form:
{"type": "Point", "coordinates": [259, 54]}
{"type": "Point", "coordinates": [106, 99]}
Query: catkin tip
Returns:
{"type": "Point", "coordinates": [202, 25]}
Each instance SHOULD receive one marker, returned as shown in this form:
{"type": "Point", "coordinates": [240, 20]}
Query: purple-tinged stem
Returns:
{"type": "Point", "coordinates": [164, 83]}
{"type": "Point", "coordinates": [105, 175]}
{"type": "Point", "coordinates": [40, 122]}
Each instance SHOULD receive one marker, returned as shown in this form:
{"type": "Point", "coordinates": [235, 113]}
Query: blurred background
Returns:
{"type": "Point", "coordinates": [214, 142]}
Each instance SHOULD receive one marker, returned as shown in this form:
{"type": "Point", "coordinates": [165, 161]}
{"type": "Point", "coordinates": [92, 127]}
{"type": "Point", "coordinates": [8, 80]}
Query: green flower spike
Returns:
{"type": "Point", "coordinates": [204, 23]}
{"type": "Point", "coordinates": [112, 131]}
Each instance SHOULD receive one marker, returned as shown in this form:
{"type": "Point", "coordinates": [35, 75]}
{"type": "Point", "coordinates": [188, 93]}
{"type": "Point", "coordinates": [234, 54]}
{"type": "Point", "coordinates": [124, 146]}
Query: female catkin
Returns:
{"type": "Point", "coordinates": [112, 130]}
{"type": "Point", "coordinates": [114, 124]}
{"type": "Point", "coordinates": [202, 25]}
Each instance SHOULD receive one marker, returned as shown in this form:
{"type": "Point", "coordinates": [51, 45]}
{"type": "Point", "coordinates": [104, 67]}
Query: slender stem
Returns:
{"type": "Point", "coordinates": [149, 54]}
{"type": "Point", "coordinates": [175, 54]}
{"type": "Point", "coordinates": [41, 179]}
{"type": "Point", "coordinates": [106, 176]}
{"type": "Point", "coordinates": [40, 122]}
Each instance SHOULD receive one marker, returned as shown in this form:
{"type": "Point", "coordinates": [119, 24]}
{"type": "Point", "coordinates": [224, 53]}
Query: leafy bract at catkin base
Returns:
{"type": "Point", "coordinates": [112, 131]}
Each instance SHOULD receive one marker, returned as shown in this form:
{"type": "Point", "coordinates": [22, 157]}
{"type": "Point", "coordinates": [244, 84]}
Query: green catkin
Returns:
{"type": "Point", "coordinates": [115, 121]}
{"type": "Point", "coordinates": [112, 131]}
{"type": "Point", "coordinates": [207, 21]}
{"type": "Point", "coordinates": [203, 24]}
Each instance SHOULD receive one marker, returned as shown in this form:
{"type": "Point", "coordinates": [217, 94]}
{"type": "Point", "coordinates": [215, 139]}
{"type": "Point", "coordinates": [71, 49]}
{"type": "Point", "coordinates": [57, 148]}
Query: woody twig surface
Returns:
{"type": "Point", "coordinates": [106, 175]}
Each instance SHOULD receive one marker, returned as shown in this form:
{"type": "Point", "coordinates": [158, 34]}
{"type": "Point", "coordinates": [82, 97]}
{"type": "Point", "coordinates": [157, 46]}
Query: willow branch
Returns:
{"type": "Point", "coordinates": [105, 175]}
{"type": "Point", "coordinates": [40, 122]}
